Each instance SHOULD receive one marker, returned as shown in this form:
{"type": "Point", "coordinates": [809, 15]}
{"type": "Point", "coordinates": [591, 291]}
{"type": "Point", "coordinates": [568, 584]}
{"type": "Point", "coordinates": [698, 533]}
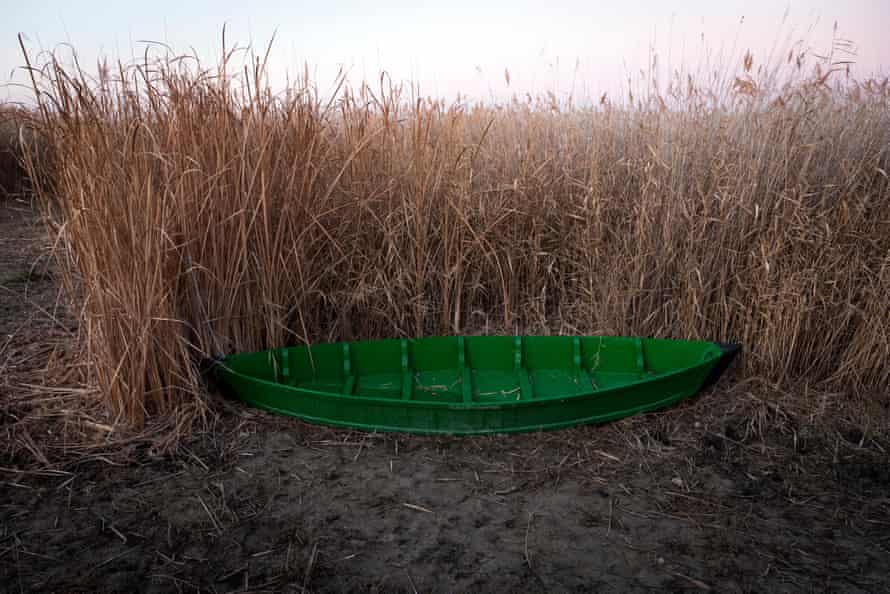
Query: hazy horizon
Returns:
{"type": "Point", "coordinates": [582, 49]}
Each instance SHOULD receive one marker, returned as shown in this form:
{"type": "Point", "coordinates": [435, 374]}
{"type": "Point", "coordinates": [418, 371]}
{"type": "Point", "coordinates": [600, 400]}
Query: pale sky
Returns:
{"type": "Point", "coordinates": [460, 46]}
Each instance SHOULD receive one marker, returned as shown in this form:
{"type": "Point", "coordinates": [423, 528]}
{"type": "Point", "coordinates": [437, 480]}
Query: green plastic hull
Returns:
{"type": "Point", "coordinates": [474, 384]}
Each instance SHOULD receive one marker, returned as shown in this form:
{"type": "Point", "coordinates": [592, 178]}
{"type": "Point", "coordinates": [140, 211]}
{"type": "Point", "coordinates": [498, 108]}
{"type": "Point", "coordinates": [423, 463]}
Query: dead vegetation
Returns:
{"type": "Point", "coordinates": [12, 172]}
{"type": "Point", "coordinates": [734, 492]}
{"type": "Point", "coordinates": [194, 214]}
{"type": "Point", "coordinates": [200, 214]}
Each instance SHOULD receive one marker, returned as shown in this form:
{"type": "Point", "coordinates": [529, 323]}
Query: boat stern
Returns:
{"type": "Point", "coordinates": [728, 352]}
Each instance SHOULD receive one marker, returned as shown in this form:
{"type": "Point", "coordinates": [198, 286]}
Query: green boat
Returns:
{"type": "Point", "coordinates": [474, 384]}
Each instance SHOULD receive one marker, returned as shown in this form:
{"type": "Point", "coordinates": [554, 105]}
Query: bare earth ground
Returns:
{"type": "Point", "coordinates": [743, 489]}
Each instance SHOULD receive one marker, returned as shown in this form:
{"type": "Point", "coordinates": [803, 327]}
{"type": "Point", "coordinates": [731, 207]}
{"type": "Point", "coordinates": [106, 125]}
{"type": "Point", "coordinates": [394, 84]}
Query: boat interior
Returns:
{"type": "Point", "coordinates": [473, 369]}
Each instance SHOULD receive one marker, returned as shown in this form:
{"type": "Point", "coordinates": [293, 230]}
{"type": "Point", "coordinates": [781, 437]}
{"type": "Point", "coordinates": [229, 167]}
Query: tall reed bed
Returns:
{"type": "Point", "coordinates": [200, 214]}
{"type": "Point", "coordinates": [12, 172]}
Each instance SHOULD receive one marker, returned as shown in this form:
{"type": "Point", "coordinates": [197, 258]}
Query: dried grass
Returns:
{"type": "Point", "coordinates": [199, 214]}
{"type": "Point", "coordinates": [12, 173]}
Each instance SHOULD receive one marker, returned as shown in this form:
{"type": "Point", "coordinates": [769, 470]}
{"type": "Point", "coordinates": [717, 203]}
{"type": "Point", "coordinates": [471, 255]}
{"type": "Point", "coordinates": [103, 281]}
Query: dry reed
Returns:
{"type": "Point", "coordinates": [12, 172]}
{"type": "Point", "coordinates": [200, 214]}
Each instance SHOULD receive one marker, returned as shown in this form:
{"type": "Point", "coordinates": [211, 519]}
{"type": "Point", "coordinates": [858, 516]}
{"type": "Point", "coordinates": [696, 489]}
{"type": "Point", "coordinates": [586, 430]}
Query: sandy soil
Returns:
{"type": "Point", "coordinates": [742, 489]}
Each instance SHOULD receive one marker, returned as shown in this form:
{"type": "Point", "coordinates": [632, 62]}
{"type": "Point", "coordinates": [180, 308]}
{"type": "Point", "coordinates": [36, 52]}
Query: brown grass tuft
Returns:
{"type": "Point", "coordinates": [201, 214]}
{"type": "Point", "coordinates": [12, 171]}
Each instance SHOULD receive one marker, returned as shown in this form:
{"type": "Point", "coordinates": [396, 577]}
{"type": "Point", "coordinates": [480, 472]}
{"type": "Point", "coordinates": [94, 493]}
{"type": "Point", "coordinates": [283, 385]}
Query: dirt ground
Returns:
{"type": "Point", "coordinates": [742, 489]}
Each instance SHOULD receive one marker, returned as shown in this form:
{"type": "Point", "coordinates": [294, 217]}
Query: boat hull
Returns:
{"type": "Point", "coordinates": [473, 385]}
